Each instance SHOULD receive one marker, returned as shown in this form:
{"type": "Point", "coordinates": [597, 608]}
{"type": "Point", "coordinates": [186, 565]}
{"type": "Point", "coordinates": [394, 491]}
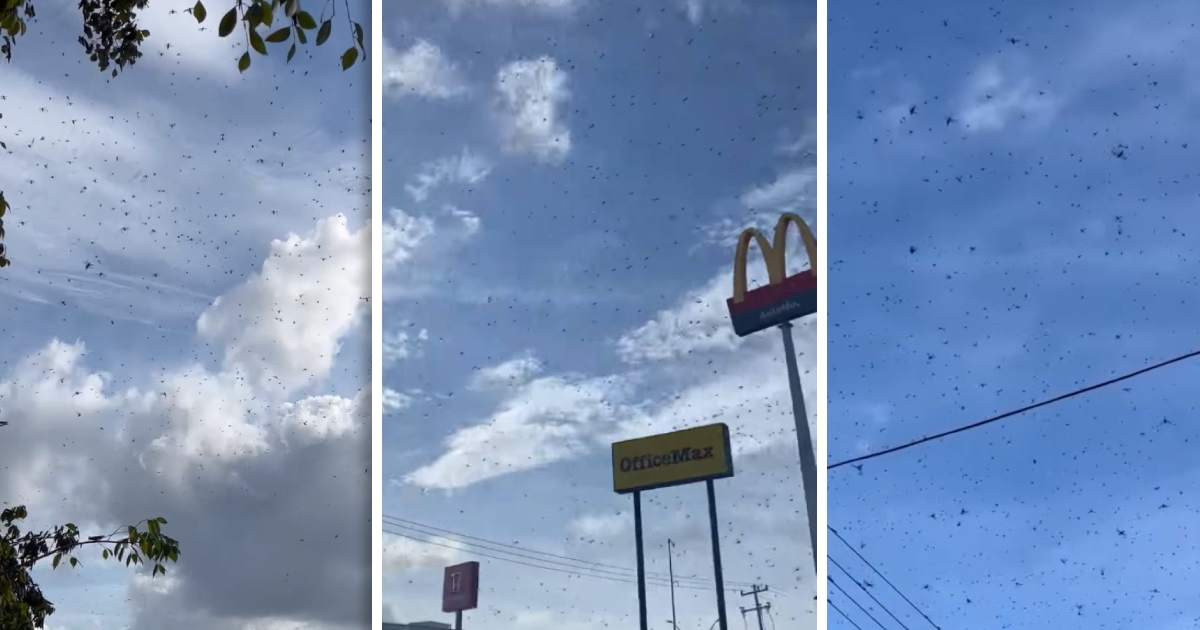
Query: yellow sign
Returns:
{"type": "Point", "coordinates": [671, 459]}
{"type": "Point", "coordinates": [773, 253]}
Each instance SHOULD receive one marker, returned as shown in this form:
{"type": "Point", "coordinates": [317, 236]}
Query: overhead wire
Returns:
{"type": "Point", "coordinates": [883, 577]}
{"type": "Point", "coordinates": [1014, 412]}
{"type": "Point", "coordinates": [843, 614]}
{"type": "Point", "coordinates": [855, 602]}
{"type": "Point", "coordinates": [864, 589]}
{"type": "Point", "coordinates": [403, 522]}
{"type": "Point", "coordinates": [579, 572]}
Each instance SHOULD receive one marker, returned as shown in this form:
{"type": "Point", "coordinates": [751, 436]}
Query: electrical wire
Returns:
{"type": "Point", "coordinates": [883, 577]}
{"type": "Point", "coordinates": [1009, 414]}
{"type": "Point", "coordinates": [843, 613]}
{"type": "Point", "coordinates": [863, 588]}
{"type": "Point", "coordinates": [578, 573]}
{"type": "Point", "coordinates": [855, 602]}
{"type": "Point", "coordinates": [403, 522]}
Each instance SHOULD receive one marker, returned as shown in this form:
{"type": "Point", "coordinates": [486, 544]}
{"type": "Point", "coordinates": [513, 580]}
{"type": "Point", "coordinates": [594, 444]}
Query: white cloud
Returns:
{"type": "Point", "coordinates": [282, 326]}
{"type": "Point", "coordinates": [547, 420]}
{"type": "Point", "coordinates": [699, 322]}
{"type": "Point", "coordinates": [600, 526]}
{"type": "Point", "coordinates": [176, 41]}
{"type": "Point", "coordinates": [406, 554]}
{"type": "Point", "coordinates": [992, 100]}
{"type": "Point", "coordinates": [421, 70]}
{"type": "Point", "coordinates": [403, 234]}
{"type": "Point", "coordinates": [792, 190]}
{"type": "Point", "coordinates": [531, 93]}
{"type": "Point", "coordinates": [511, 373]}
{"type": "Point", "coordinates": [465, 168]}
{"type": "Point", "coordinates": [396, 400]}
{"type": "Point", "coordinates": [401, 344]}
{"type": "Point", "coordinates": [195, 445]}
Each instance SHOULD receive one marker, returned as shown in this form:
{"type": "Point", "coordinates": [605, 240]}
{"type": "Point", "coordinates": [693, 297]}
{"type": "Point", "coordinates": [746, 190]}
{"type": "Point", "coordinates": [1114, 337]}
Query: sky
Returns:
{"type": "Point", "coordinates": [1011, 216]}
{"type": "Point", "coordinates": [184, 323]}
{"type": "Point", "coordinates": [563, 184]}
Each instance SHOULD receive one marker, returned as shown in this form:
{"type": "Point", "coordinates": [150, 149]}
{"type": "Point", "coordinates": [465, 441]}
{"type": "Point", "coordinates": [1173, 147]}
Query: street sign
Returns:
{"type": "Point", "coordinates": [785, 297]}
{"type": "Point", "coordinates": [460, 587]}
{"type": "Point", "coordinates": [670, 459]}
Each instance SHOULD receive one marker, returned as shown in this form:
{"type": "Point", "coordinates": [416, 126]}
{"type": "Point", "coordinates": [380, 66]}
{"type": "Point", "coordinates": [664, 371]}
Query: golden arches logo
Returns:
{"type": "Point", "coordinates": [774, 253]}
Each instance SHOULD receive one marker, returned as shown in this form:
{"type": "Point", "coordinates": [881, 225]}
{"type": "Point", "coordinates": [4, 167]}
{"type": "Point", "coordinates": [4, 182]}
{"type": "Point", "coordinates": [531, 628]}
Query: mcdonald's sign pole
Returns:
{"type": "Point", "coordinates": [777, 303]}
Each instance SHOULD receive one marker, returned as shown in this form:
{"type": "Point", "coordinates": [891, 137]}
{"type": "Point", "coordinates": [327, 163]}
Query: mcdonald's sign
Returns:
{"type": "Point", "coordinates": [785, 297]}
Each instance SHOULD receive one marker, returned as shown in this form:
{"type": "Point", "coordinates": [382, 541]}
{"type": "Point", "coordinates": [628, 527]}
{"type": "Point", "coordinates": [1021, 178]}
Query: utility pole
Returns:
{"type": "Point", "coordinates": [758, 608]}
{"type": "Point", "coordinates": [671, 570]}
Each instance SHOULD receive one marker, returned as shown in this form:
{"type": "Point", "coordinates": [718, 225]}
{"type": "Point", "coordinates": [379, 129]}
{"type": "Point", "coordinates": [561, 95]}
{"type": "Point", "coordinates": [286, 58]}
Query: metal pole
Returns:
{"type": "Point", "coordinates": [458, 620]}
{"type": "Point", "coordinates": [716, 544]}
{"type": "Point", "coordinates": [641, 564]}
{"type": "Point", "coordinates": [808, 458]}
{"type": "Point", "coordinates": [671, 570]}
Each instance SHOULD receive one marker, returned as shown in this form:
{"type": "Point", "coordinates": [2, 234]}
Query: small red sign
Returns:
{"type": "Point", "coordinates": [460, 588]}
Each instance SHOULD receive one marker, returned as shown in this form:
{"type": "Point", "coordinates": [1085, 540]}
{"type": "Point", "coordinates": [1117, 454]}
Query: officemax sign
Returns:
{"type": "Point", "coordinates": [670, 459]}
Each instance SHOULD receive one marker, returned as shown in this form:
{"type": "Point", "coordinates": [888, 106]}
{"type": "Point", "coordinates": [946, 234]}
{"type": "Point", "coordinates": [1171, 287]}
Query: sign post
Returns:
{"type": "Point", "coordinates": [671, 459]}
{"type": "Point", "coordinates": [460, 590]}
{"type": "Point", "coordinates": [783, 299]}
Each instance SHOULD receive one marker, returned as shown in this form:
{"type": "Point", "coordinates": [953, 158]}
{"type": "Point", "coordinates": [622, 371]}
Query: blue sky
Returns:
{"type": "Point", "coordinates": [1011, 216]}
{"type": "Point", "coordinates": [183, 324]}
{"type": "Point", "coordinates": [562, 183]}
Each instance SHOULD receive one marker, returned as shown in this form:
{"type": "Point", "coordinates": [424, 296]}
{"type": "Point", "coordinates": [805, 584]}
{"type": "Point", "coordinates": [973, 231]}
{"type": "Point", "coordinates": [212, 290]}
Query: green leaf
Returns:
{"type": "Point", "coordinates": [199, 12]}
{"type": "Point", "coordinates": [280, 35]}
{"type": "Point", "coordinates": [301, 36]}
{"type": "Point", "coordinates": [323, 34]}
{"type": "Point", "coordinates": [349, 57]}
{"type": "Point", "coordinates": [291, 52]}
{"type": "Point", "coordinates": [256, 42]}
{"type": "Point", "coordinates": [73, 561]}
{"type": "Point", "coordinates": [306, 21]}
{"type": "Point", "coordinates": [228, 21]}
{"type": "Point", "coordinates": [55, 561]}
{"type": "Point", "coordinates": [254, 16]}
{"type": "Point", "coordinates": [244, 62]}
{"type": "Point", "coordinates": [291, 8]}
{"type": "Point", "coordinates": [268, 14]}
{"type": "Point", "coordinates": [358, 33]}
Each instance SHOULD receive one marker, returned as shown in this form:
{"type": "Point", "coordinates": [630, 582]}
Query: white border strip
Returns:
{"type": "Point", "coordinates": [822, 442]}
{"type": "Point", "coordinates": [376, 313]}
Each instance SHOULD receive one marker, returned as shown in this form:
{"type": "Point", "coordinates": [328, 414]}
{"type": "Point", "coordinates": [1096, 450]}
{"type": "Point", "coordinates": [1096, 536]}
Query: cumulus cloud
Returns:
{"type": "Point", "coordinates": [402, 344]}
{"type": "Point", "coordinates": [515, 371]}
{"type": "Point", "coordinates": [394, 400]}
{"type": "Point", "coordinates": [282, 326]}
{"type": "Point", "coordinates": [993, 99]}
{"type": "Point", "coordinates": [403, 554]}
{"type": "Point", "coordinates": [531, 93]}
{"type": "Point", "coordinates": [403, 234]}
{"type": "Point", "coordinates": [421, 70]}
{"type": "Point", "coordinates": [254, 485]}
{"type": "Point", "coordinates": [465, 168]}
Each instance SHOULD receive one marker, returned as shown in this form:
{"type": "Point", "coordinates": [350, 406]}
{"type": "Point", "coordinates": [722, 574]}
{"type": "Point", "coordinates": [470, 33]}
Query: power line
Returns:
{"type": "Point", "coordinates": [884, 578]}
{"type": "Point", "coordinates": [855, 602]}
{"type": "Point", "coordinates": [580, 572]}
{"type": "Point", "coordinates": [1009, 414]}
{"type": "Point", "coordinates": [843, 613]}
{"type": "Point", "coordinates": [403, 522]}
{"type": "Point", "coordinates": [861, 586]}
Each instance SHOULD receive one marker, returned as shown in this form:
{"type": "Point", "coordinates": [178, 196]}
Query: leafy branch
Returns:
{"type": "Point", "coordinates": [22, 604]}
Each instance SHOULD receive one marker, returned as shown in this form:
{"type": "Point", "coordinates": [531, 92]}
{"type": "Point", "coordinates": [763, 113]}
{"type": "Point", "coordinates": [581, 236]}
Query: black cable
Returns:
{"type": "Point", "coordinates": [863, 587]}
{"type": "Point", "coordinates": [843, 613]}
{"type": "Point", "coordinates": [398, 520]}
{"type": "Point", "coordinates": [1009, 414]}
{"type": "Point", "coordinates": [884, 577]}
{"type": "Point", "coordinates": [855, 602]}
{"type": "Point", "coordinates": [580, 573]}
